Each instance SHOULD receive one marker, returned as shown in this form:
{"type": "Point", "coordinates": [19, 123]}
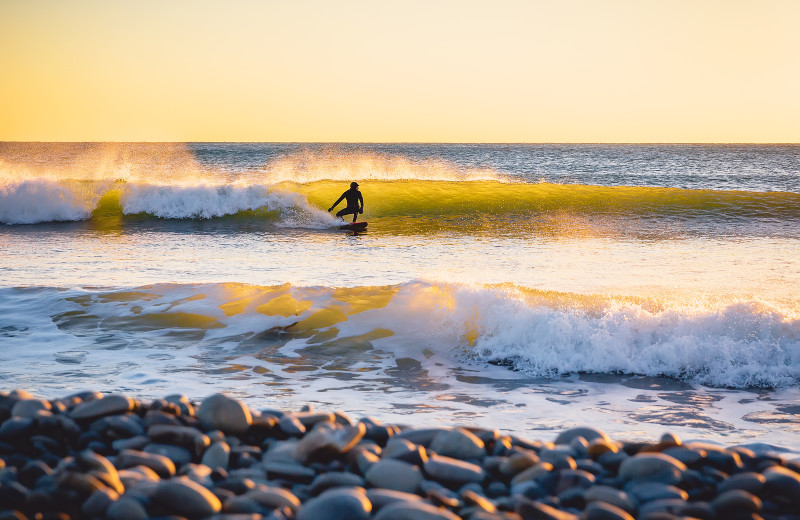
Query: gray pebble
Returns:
{"type": "Point", "coordinates": [603, 511]}
{"type": "Point", "coordinates": [186, 498]}
{"type": "Point", "coordinates": [217, 455]}
{"type": "Point", "coordinates": [220, 412]}
{"type": "Point", "coordinates": [449, 470]}
{"type": "Point", "coordinates": [652, 466]}
{"type": "Point", "coordinates": [737, 500]}
{"type": "Point", "coordinates": [414, 510]}
{"type": "Point", "coordinates": [126, 508]}
{"type": "Point", "coordinates": [458, 444]}
{"type": "Point", "coordinates": [162, 465]}
{"type": "Point", "coordinates": [383, 497]}
{"type": "Point", "coordinates": [337, 504]}
{"type": "Point", "coordinates": [110, 404]}
{"type": "Point", "coordinates": [395, 475]}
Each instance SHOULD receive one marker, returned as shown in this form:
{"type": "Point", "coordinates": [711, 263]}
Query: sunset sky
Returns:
{"type": "Point", "coordinates": [400, 71]}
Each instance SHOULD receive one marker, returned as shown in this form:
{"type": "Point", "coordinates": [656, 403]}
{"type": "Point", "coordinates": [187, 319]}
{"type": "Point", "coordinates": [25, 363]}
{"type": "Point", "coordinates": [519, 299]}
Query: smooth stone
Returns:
{"type": "Point", "coordinates": [291, 426]}
{"type": "Point", "coordinates": [783, 482]}
{"type": "Point", "coordinates": [169, 434]}
{"type": "Point", "coordinates": [530, 510]}
{"type": "Point", "coordinates": [537, 472]}
{"type": "Point", "coordinates": [366, 459]}
{"type": "Point", "coordinates": [603, 511]}
{"type": "Point", "coordinates": [119, 426]}
{"type": "Point", "coordinates": [186, 498]}
{"type": "Point", "coordinates": [108, 405]}
{"type": "Point", "coordinates": [337, 504]}
{"type": "Point", "coordinates": [652, 466]}
{"type": "Point", "coordinates": [30, 408]}
{"type": "Point", "coordinates": [516, 463]}
{"type": "Point", "coordinates": [133, 443]}
{"type": "Point", "coordinates": [240, 505]}
{"type": "Point", "coordinates": [328, 440]}
{"type": "Point", "coordinates": [673, 506]}
{"type": "Point", "coordinates": [395, 475]}
{"type": "Point", "coordinates": [335, 479]}
{"type": "Point", "coordinates": [179, 456]}
{"type": "Point", "coordinates": [476, 499]}
{"type": "Point", "coordinates": [273, 497]}
{"type": "Point", "coordinates": [737, 500]}
{"type": "Point", "coordinates": [16, 427]}
{"type": "Point", "coordinates": [689, 456]}
{"type": "Point", "coordinates": [750, 481]}
{"type": "Point", "coordinates": [383, 497]}
{"type": "Point", "coordinates": [217, 455]}
{"type": "Point", "coordinates": [569, 478]}
{"type": "Point", "coordinates": [558, 459]}
{"type": "Point", "coordinates": [458, 444]}
{"type": "Point", "coordinates": [310, 419]}
{"type": "Point", "coordinates": [610, 495]}
{"type": "Point", "coordinates": [98, 503]}
{"type": "Point", "coordinates": [590, 434]}
{"type": "Point", "coordinates": [162, 465]}
{"type": "Point", "coordinates": [220, 412]}
{"type": "Point", "coordinates": [423, 436]}
{"type": "Point", "coordinates": [126, 508]}
{"type": "Point", "coordinates": [649, 491]}
{"type": "Point", "coordinates": [414, 510]}
{"type": "Point", "coordinates": [446, 469]}
{"type": "Point", "coordinates": [289, 471]}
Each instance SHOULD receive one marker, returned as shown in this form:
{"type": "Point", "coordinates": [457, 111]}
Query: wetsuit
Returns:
{"type": "Point", "coordinates": [355, 203]}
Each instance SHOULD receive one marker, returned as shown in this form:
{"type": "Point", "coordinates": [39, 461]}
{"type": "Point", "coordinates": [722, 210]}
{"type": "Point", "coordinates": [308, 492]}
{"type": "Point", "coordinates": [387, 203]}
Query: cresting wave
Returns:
{"type": "Point", "coordinates": [303, 205]}
{"type": "Point", "coordinates": [725, 343]}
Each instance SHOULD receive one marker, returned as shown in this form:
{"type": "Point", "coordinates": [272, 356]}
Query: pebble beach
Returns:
{"type": "Point", "coordinates": [115, 457]}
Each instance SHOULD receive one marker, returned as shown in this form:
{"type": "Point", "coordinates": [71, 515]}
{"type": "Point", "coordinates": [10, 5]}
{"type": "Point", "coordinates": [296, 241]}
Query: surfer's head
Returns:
{"type": "Point", "coordinates": [353, 185]}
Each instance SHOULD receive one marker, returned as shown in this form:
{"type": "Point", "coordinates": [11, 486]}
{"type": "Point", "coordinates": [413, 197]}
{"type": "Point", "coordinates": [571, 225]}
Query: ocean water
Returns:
{"type": "Point", "coordinates": [635, 288]}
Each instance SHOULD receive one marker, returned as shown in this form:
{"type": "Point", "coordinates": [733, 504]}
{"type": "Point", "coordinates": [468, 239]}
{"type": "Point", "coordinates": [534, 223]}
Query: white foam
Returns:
{"type": "Point", "coordinates": [44, 200]}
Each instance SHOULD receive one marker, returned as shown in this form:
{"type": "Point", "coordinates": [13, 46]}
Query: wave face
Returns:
{"type": "Point", "coordinates": [726, 343]}
{"type": "Point", "coordinates": [79, 182]}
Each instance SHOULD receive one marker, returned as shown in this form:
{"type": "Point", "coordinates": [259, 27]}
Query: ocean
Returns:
{"type": "Point", "coordinates": [638, 289]}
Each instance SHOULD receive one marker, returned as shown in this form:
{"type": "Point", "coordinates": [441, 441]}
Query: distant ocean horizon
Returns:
{"type": "Point", "coordinates": [640, 288]}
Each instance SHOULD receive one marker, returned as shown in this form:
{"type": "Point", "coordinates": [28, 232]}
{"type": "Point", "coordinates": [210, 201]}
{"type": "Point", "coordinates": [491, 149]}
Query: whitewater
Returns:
{"type": "Point", "coordinates": [638, 288]}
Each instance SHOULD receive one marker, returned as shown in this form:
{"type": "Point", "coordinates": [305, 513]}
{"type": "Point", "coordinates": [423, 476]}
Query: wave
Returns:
{"type": "Point", "coordinates": [723, 343]}
{"type": "Point", "coordinates": [291, 203]}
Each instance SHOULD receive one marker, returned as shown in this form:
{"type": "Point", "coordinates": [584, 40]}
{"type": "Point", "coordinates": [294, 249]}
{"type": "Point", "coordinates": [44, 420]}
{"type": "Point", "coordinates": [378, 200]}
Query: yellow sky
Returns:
{"type": "Point", "coordinates": [400, 70]}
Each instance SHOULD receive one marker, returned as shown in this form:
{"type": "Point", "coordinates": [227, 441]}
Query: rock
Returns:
{"type": "Point", "coordinates": [383, 497]}
{"type": "Point", "coordinates": [590, 434]}
{"type": "Point", "coordinates": [414, 510]}
{"type": "Point", "coordinates": [327, 441]}
{"type": "Point", "coordinates": [126, 508]}
{"type": "Point", "coordinates": [736, 500]}
{"type": "Point", "coordinates": [652, 466]}
{"type": "Point", "coordinates": [220, 412]}
{"type": "Point", "coordinates": [423, 436]}
{"type": "Point", "coordinates": [516, 463]}
{"type": "Point", "coordinates": [748, 481]}
{"type": "Point", "coordinates": [449, 470]}
{"type": "Point", "coordinates": [783, 482]}
{"type": "Point", "coordinates": [337, 504]}
{"type": "Point", "coordinates": [649, 491]}
{"type": "Point", "coordinates": [574, 478]}
{"type": "Point", "coordinates": [186, 498]}
{"type": "Point", "coordinates": [289, 471]}
{"type": "Point", "coordinates": [309, 419]}
{"type": "Point", "coordinates": [30, 408]}
{"type": "Point", "coordinates": [530, 510]}
{"type": "Point", "coordinates": [291, 426]}
{"type": "Point", "coordinates": [272, 497]}
{"type": "Point", "coordinates": [217, 455]}
{"type": "Point", "coordinates": [108, 405]}
{"type": "Point", "coordinates": [458, 444]}
{"type": "Point", "coordinates": [162, 465]}
{"type": "Point", "coordinates": [98, 503]}
{"type": "Point", "coordinates": [603, 511]}
{"type": "Point", "coordinates": [16, 427]}
{"type": "Point", "coordinates": [335, 479]}
{"type": "Point", "coordinates": [610, 495]}
{"type": "Point", "coordinates": [179, 456]}
{"type": "Point", "coordinates": [395, 475]}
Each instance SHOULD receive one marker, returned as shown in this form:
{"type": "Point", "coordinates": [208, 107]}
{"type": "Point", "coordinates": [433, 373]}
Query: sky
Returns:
{"type": "Point", "coordinates": [400, 71]}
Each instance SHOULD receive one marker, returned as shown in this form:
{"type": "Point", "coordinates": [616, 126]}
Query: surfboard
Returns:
{"type": "Point", "coordinates": [354, 226]}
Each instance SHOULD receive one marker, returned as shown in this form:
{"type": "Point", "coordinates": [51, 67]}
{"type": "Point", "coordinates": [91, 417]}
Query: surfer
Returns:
{"type": "Point", "coordinates": [354, 198]}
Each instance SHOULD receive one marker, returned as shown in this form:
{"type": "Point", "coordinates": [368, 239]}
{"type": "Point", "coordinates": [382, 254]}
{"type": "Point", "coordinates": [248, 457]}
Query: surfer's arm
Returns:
{"type": "Point", "coordinates": [337, 202]}
{"type": "Point", "coordinates": [361, 200]}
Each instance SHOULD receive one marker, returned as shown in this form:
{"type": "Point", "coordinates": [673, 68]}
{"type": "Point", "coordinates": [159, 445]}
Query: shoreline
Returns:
{"type": "Point", "coordinates": [113, 457]}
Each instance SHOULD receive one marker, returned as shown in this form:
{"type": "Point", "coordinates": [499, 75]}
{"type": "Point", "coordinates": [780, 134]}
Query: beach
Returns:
{"type": "Point", "coordinates": [516, 291]}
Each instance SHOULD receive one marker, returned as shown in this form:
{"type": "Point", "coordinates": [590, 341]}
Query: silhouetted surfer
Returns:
{"type": "Point", "coordinates": [353, 197]}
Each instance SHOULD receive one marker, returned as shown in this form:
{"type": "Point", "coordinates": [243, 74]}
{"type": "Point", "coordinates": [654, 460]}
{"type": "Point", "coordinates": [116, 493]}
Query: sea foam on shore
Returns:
{"type": "Point", "coordinates": [114, 457]}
